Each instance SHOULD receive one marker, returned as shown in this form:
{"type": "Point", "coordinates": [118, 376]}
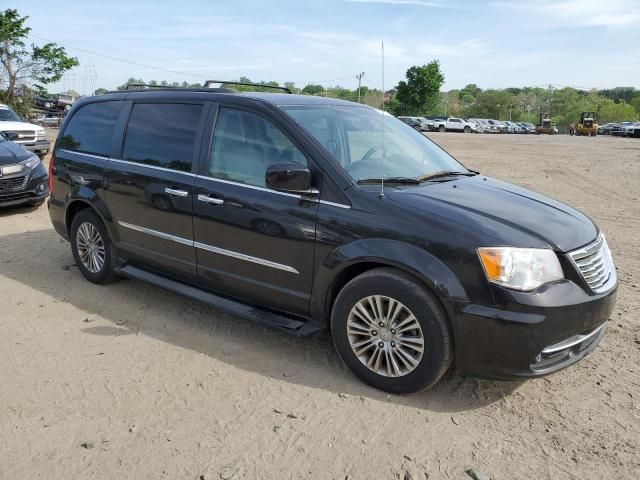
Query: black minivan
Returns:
{"type": "Point", "coordinates": [306, 213]}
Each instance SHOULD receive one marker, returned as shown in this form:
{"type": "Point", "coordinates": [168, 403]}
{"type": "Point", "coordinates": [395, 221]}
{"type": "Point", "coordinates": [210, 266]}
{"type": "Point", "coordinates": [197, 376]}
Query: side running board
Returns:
{"type": "Point", "coordinates": [274, 320]}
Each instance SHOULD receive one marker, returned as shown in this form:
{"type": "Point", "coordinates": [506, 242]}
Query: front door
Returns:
{"type": "Point", "coordinates": [253, 243]}
{"type": "Point", "coordinates": [149, 188]}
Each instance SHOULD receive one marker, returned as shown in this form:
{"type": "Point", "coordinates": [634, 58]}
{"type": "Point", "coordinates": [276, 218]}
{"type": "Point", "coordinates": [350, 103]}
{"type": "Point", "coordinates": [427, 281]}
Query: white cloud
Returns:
{"type": "Point", "coordinates": [579, 13]}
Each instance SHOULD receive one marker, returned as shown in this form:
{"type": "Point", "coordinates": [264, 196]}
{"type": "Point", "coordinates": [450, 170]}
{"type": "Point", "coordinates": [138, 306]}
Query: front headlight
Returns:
{"type": "Point", "coordinates": [520, 268]}
{"type": "Point", "coordinates": [41, 134]}
{"type": "Point", "coordinates": [24, 166]}
{"type": "Point", "coordinates": [30, 163]}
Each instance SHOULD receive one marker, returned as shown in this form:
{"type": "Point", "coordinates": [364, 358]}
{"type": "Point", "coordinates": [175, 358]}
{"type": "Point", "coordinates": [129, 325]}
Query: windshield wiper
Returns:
{"type": "Point", "coordinates": [433, 176]}
{"type": "Point", "coordinates": [397, 180]}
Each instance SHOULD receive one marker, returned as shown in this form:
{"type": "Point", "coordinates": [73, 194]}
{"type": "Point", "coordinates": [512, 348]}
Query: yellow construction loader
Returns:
{"type": "Point", "coordinates": [545, 125]}
{"type": "Point", "coordinates": [587, 125]}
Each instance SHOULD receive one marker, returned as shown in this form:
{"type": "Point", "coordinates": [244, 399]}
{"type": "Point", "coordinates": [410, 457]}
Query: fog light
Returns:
{"type": "Point", "coordinates": [41, 187]}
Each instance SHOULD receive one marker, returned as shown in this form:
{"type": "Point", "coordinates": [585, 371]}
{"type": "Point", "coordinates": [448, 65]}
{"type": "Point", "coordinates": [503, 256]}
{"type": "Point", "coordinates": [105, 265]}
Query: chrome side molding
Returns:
{"type": "Point", "coordinates": [209, 248]}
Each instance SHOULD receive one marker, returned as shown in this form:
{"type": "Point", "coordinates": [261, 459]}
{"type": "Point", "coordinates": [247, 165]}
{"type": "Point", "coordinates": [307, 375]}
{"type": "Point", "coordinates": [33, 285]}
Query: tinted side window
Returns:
{"type": "Point", "coordinates": [244, 145]}
{"type": "Point", "coordinates": [162, 134]}
{"type": "Point", "coordinates": [90, 130]}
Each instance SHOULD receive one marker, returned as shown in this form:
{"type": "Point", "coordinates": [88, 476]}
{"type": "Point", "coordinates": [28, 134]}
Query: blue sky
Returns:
{"type": "Point", "coordinates": [490, 43]}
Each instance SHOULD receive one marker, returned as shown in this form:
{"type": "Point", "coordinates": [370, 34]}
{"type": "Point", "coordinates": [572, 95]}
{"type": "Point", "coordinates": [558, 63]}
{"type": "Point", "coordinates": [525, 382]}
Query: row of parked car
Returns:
{"type": "Point", "coordinates": [622, 129]}
{"type": "Point", "coordinates": [61, 102]}
{"type": "Point", "coordinates": [487, 125]}
{"type": "Point", "coordinates": [472, 125]}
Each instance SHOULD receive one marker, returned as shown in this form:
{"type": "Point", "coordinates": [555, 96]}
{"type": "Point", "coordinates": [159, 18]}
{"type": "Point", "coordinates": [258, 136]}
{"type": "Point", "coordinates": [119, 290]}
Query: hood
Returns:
{"type": "Point", "coordinates": [12, 153]}
{"type": "Point", "coordinates": [507, 215]}
{"type": "Point", "coordinates": [18, 126]}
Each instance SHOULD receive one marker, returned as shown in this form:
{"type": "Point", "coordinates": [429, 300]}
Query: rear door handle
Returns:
{"type": "Point", "coordinates": [208, 199]}
{"type": "Point", "coordinates": [176, 193]}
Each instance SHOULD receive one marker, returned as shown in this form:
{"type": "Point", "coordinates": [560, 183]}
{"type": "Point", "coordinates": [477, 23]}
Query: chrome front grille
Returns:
{"type": "Point", "coordinates": [24, 136]}
{"type": "Point", "coordinates": [27, 136]}
{"type": "Point", "coordinates": [595, 264]}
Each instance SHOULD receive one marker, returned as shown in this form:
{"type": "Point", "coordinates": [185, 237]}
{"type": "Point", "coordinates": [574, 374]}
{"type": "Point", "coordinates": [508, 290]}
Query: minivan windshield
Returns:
{"type": "Point", "coordinates": [369, 144]}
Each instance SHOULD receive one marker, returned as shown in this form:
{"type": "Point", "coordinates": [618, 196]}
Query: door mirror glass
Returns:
{"type": "Point", "coordinates": [289, 177]}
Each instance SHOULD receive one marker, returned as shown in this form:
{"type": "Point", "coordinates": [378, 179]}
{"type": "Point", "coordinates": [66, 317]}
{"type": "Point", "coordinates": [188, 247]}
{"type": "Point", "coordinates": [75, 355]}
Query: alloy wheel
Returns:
{"type": "Point", "coordinates": [385, 336]}
{"type": "Point", "coordinates": [90, 247]}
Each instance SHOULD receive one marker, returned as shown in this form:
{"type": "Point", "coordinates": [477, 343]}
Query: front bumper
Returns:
{"type": "Point", "coordinates": [37, 146]}
{"type": "Point", "coordinates": [33, 191]}
{"type": "Point", "coordinates": [531, 334]}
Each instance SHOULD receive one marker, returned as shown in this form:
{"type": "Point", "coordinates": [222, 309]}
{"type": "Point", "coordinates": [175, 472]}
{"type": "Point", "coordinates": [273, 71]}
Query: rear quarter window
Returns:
{"type": "Point", "coordinates": [163, 135]}
{"type": "Point", "coordinates": [90, 130]}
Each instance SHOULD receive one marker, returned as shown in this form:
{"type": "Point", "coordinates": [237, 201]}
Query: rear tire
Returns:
{"type": "Point", "coordinates": [400, 317]}
{"type": "Point", "coordinates": [92, 248]}
{"type": "Point", "coordinates": [441, 129]}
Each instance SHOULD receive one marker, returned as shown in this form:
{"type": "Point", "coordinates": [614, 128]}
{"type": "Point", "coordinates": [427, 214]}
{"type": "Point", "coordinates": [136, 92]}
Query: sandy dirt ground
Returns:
{"type": "Point", "coordinates": [129, 381]}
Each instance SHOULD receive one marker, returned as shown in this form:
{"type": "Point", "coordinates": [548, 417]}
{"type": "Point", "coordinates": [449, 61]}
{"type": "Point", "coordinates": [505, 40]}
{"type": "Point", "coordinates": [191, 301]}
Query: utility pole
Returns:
{"type": "Point", "coordinates": [510, 107]}
{"type": "Point", "coordinates": [359, 77]}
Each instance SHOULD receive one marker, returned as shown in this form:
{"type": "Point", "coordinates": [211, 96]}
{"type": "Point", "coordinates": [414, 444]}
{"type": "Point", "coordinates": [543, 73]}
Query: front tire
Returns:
{"type": "Point", "coordinates": [92, 248]}
{"type": "Point", "coordinates": [441, 129]}
{"type": "Point", "coordinates": [467, 129]}
{"type": "Point", "coordinates": [391, 332]}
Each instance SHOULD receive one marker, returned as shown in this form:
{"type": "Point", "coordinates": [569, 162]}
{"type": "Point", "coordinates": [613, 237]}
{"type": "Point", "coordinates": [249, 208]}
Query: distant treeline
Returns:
{"type": "Point", "coordinates": [517, 104]}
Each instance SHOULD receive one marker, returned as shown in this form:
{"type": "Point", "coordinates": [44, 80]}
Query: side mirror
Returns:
{"type": "Point", "coordinates": [12, 136]}
{"type": "Point", "coordinates": [289, 177]}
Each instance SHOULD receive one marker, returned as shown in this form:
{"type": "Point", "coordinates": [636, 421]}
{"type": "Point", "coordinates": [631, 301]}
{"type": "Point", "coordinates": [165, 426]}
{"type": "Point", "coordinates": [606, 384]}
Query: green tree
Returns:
{"type": "Point", "coordinates": [491, 104]}
{"type": "Point", "coordinates": [292, 86]}
{"type": "Point", "coordinates": [611, 111]}
{"type": "Point", "coordinates": [24, 66]}
{"type": "Point", "coordinates": [100, 91]}
{"type": "Point", "coordinates": [419, 94]}
{"type": "Point", "coordinates": [129, 82]}
{"type": "Point", "coordinates": [313, 89]}
{"type": "Point", "coordinates": [469, 93]}
{"type": "Point", "coordinates": [635, 103]}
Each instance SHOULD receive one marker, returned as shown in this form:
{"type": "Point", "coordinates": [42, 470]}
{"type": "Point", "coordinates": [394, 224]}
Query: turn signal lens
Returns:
{"type": "Point", "coordinates": [520, 268]}
{"type": "Point", "coordinates": [51, 171]}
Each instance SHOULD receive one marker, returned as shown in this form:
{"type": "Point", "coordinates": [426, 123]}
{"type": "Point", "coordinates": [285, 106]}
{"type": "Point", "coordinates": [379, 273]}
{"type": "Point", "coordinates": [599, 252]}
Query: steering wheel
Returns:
{"type": "Point", "coordinates": [361, 164]}
{"type": "Point", "coordinates": [370, 152]}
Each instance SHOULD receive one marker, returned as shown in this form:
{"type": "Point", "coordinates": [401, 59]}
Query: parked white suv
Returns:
{"type": "Point", "coordinates": [28, 135]}
{"type": "Point", "coordinates": [453, 124]}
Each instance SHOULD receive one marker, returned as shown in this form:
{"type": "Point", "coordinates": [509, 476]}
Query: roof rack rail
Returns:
{"type": "Point", "coordinates": [143, 86]}
{"type": "Point", "coordinates": [247, 84]}
{"type": "Point", "coordinates": [146, 85]}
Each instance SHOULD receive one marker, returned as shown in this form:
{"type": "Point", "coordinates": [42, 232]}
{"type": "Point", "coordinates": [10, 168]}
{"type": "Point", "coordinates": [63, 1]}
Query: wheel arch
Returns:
{"type": "Point", "coordinates": [82, 199]}
{"type": "Point", "coordinates": [349, 261]}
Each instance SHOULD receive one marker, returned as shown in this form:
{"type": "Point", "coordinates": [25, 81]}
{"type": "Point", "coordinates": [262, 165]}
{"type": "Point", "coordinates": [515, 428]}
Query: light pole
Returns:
{"type": "Point", "coordinates": [359, 77]}
{"type": "Point", "coordinates": [510, 107]}
{"type": "Point", "coordinates": [498, 112]}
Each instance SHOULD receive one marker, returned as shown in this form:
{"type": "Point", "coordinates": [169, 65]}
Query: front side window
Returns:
{"type": "Point", "coordinates": [163, 135]}
{"type": "Point", "coordinates": [245, 144]}
{"type": "Point", "coordinates": [369, 144]}
{"type": "Point", "coordinates": [90, 130]}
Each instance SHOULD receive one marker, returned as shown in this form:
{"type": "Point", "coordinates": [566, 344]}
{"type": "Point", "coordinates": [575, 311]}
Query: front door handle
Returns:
{"type": "Point", "coordinates": [212, 200]}
{"type": "Point", "coordinates": [176, 193]}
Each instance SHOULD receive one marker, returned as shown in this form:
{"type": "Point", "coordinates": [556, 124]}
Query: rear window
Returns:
{"type": "Point", "coordinates": [163, 135]}
{"type": "Point", "coordinates": [90, 130]}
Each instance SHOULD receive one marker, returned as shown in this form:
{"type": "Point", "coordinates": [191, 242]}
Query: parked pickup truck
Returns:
{"type": "Point", "coordinates": [453, 124]}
